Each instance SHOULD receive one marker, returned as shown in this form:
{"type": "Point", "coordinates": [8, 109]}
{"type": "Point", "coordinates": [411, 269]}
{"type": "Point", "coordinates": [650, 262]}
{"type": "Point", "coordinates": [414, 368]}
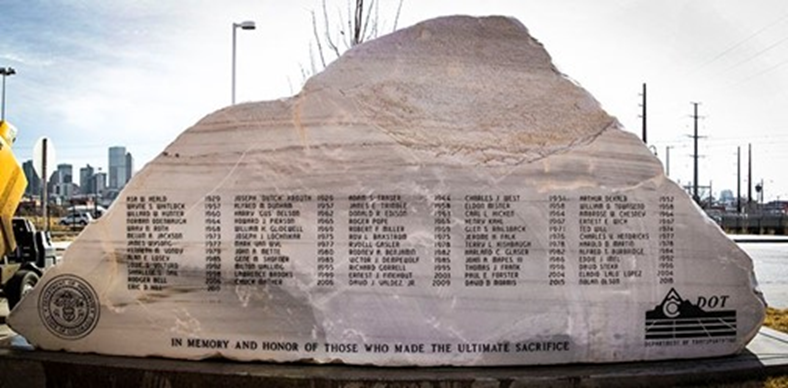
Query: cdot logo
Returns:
{"type": "Point", "coordinates": [677, 318]}
{"type": "Point", "coordinates": [671, 305]}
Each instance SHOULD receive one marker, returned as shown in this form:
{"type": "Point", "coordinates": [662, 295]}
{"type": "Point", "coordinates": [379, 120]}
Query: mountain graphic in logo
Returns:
{"type": "Point", "coordinates": [679, 318]}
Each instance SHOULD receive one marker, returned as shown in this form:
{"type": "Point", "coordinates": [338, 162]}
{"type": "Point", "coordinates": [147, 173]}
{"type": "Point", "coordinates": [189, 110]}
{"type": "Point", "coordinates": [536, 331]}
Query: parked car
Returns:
{"type": "Point", "coordinates": [72, 219]}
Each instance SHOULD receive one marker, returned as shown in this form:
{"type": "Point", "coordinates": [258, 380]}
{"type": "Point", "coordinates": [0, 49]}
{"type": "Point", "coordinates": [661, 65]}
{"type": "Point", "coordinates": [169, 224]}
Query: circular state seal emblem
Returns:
{"type": "Point", "coordinates": [69, 307]}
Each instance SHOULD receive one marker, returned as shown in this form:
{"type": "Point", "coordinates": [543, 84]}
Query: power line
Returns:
{"type": "Point", "coordinates": [741, 42]}
{"type": "Point", "coordinates": [759, 53]}
{"type": "Point", "coordinates": [767, 70]}
{"type": "Point", "coordinates": [767, 140]}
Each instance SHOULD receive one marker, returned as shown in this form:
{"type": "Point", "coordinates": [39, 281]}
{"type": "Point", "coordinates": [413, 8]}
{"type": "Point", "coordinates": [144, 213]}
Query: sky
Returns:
{"type": "Point", "coordinates": [93, 73]}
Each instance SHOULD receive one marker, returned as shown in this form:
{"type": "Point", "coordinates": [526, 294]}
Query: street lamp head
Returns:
{"type": "Point", "coordinates": [247, 25]}
{"type": "Point", "coordinates": [7, 71]}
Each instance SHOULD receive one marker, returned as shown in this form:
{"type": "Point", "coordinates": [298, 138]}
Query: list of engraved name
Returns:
{"type": "Point", "coordinates": [397, 241]}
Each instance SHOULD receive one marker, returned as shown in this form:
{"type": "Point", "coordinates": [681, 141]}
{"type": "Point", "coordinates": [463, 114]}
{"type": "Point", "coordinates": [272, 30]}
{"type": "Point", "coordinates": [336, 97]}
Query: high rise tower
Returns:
{"type": "Point", "coordinates": [117, 168]}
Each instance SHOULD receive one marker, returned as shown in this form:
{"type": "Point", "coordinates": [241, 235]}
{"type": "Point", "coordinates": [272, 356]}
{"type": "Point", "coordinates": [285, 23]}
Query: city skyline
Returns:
{"type": "Point", "coordinates": [92, 180]}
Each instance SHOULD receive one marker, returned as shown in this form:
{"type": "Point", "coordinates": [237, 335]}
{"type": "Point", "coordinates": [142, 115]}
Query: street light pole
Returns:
{"type": "Point", "coordinates": [5, 71]}
{"type": "Point", "coordinates": [247, 25]}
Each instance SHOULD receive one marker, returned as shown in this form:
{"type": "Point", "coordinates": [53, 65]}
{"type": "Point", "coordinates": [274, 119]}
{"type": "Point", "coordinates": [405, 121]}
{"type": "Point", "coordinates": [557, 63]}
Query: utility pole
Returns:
{"type": "Point", "coordinates": [45, 192]}
{"type": "Point", "coordinates": [738, 179]}
{"type": "Point", "coordinates": [695, 155]}
{"type": "Point", "coordinates": [644, 113]}
{"type": "Point", "coordinates": [749, 174]}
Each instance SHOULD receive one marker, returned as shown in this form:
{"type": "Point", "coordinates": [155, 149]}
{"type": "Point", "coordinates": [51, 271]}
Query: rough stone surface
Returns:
{"type": "Point", "coordinates": [438, 196]}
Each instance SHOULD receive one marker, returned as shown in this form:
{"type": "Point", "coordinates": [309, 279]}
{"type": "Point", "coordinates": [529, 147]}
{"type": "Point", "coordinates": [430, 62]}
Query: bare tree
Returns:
{"type": "Point", "coordinates": [334, 35]}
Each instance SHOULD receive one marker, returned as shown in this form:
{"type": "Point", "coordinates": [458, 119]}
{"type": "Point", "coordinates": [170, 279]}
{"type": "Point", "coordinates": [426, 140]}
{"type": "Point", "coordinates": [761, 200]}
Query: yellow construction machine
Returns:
{"type": "Point", "coordinates": [25, 252]}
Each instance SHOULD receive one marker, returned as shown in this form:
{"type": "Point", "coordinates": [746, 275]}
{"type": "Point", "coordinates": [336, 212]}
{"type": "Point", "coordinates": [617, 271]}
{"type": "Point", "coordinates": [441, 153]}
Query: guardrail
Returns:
{"type": "Point", "coordinates": [774, 224]}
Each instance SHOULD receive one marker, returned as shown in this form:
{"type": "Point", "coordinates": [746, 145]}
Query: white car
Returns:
{"type": "Point", "coordinates": [80, 219]}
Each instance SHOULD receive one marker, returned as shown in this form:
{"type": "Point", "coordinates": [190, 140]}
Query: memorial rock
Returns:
{"type": "Point", "coordinates": [442, 195]}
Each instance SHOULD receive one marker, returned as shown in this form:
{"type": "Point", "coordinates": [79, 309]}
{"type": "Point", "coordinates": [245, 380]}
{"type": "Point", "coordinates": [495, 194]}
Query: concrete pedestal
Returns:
{"type": "Point", "coordinates": [767, 355]}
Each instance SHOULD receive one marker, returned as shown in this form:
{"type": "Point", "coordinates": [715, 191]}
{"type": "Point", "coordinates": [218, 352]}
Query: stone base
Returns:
{"type": "Point", "coordinates": [767, 355]}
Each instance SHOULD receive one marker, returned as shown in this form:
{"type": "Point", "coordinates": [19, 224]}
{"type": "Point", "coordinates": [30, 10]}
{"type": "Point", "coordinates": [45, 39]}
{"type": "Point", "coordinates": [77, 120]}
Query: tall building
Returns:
{"type": "Point", "coordinates": [64, 173]}
{"type": "Point", "coordinates": [33, 188]}
{"type": "Point", "coordinates": [129, 167]}
{"type": "Point", "coordinates": [86, 183]}
{"type": "Point", "coordinates": [100, 182]}
{"type": "Point", "coordinates": [63, 179]}
{"type": "Point", "coordinates": [117, 167]}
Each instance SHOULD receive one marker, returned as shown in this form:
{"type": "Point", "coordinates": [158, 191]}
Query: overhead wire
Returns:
{"type": "Point", "coordinates": [740, 43]}
{"type": "Point", "coordinates": [760, 73]}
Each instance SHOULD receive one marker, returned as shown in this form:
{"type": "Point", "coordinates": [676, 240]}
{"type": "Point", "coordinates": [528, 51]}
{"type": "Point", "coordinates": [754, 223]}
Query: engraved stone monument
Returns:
{"type": "Point", "coordinates": [438, 196]}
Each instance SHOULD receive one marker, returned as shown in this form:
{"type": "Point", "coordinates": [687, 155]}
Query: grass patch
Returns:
{"type": "Point", "coordinates": [776, 319]}
{"type": "Point", "coordinates": [54, 226]}
{"type": "Point", "coordinates": [58, 232]}
{"type": "Point", "coordinates": [776, 382]}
